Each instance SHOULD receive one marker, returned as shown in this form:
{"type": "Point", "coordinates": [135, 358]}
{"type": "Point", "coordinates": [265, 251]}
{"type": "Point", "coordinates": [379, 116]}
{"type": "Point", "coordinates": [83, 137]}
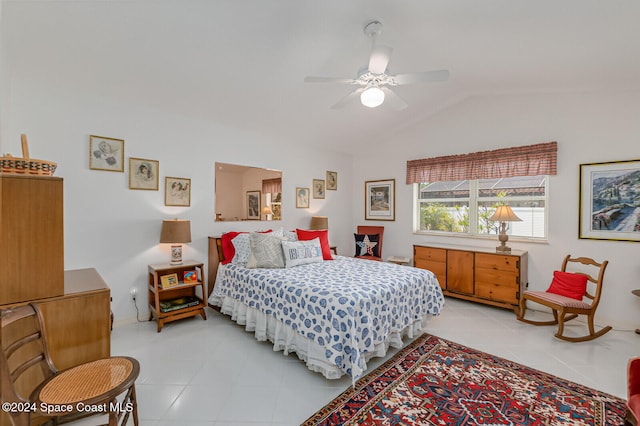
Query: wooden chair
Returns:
{"type": "Point", "coordinates": [565, 308]}
{"type": "Point", "coordinates": [633, 392]}
{"type": "Point", "coordinates": [93, 385]}
{"type": "Point", "coordinates": [372, 230]}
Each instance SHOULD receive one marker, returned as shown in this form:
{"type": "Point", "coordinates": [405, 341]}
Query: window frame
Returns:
{"type": "Point", "coordinates": [474, 201]}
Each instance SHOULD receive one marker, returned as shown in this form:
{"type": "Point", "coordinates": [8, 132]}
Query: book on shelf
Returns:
{"type": "Point", "coordinates": [179, 303]}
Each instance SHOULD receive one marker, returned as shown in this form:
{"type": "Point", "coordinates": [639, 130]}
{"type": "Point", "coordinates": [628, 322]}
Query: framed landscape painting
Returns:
{"type": "Point", "coordinates": [610, 201]}
{"type": "Point", "coordinates": [380, 199]}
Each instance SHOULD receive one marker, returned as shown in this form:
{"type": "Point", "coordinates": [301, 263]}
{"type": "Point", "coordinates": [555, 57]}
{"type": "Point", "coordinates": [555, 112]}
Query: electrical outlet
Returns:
{"type": "Point", "coordinates": [134, 293]}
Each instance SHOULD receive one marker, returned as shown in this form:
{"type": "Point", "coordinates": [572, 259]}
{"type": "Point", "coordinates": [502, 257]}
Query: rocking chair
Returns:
{"type": "Point", "coordinates": [566, 308]}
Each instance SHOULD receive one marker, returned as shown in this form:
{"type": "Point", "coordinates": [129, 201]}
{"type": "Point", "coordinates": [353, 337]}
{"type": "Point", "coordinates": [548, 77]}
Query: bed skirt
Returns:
{"type": "Point", "coordinates": [287, 340]}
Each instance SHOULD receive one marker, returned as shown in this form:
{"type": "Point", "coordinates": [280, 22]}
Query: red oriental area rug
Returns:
{"type": "Point", "coordinates": [437, 382]}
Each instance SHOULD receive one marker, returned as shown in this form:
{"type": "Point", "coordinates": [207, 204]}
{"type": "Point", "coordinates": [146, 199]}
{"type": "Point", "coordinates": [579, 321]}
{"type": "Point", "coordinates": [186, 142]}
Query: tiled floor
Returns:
{"type": "Point", "coordinates": [213, 372]}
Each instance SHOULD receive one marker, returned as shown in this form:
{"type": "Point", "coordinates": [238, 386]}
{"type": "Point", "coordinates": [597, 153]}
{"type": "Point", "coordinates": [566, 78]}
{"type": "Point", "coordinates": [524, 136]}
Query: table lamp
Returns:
{"type": "Point", "coordinates": [176, 232]}
{"type": "Point", "coordinates": [504, 214]}
{"type": "Point", "coordinates": [266, 211]}
{"type": "Point", "coordinates": [319, 222]}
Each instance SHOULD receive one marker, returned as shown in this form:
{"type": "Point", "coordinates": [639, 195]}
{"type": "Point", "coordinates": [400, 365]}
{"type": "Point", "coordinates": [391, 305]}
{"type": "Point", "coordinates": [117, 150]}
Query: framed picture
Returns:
{"type": "Point", "coordinates": [253, 205]}
{"type": "Point", "coordinates": [332, 181]}
{"type": "Point", "coordinates": [609, 201]}
{"type": "Point", "coordinates": [106, 154]}
{"type": "Point", "coordinates": [170, 280]}
{"type": "Point", "coordinates": [190, 277]}
{"type": "Point", "coordinates": [302, 198]}
{"type": "Point", "coordinates": [318, 188]}
{"type": "Point", "coordinates": [380, 199]}
{"type": "Point", "coordinates": [143, 174]}
{"type": "Point", "coordinates": [177, 191]}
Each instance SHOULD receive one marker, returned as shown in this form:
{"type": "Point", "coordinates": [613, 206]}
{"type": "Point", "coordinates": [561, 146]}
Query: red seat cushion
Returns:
{"type": "Point", "coordinates": [323, 234]}
{"type": "Point", "coordinates": [568, 284]}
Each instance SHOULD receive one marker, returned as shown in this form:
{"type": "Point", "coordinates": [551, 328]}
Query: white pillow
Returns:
{"type": "Point", "coordinates": [266, 251]}
{"type": "Point", "coordinates": [301, 252]}
{"type": "Point", "coordinates": [242, 247]}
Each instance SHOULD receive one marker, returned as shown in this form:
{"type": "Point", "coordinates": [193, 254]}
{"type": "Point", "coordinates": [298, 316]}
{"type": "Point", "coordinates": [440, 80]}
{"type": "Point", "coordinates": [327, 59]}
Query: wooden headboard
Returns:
{"type": "Point", "coordinates": [215, 257]}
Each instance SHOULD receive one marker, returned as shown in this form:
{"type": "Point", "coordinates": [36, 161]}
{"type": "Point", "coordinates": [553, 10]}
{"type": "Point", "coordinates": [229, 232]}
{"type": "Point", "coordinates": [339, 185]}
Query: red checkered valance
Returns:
{"type": "Point", "coordinates": [530, 160]}
{"type": "Point", "coordinates": [271, 185]}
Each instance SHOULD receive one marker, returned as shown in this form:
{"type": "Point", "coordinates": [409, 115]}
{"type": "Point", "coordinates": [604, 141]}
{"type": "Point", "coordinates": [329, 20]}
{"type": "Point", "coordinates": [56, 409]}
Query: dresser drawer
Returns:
{"type": "Point", "coordinates": [438, 268]}
{"type": "Point", "coordinates": [497, 292]}
{"type": "Point", "coordinates": [499, 262]}
{"type": "Point", "coordinates": [507, 278]}
{"type": "Point", "coordinates": [430, 253]}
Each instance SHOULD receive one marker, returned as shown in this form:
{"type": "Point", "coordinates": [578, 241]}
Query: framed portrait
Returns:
{"type": "Point", "coordinates": [332, 181]}
{"type": "Point", "coordinates": [106, 154]}
{"type": "Point", "coordinates": [380, 199]}
{"type": "Point", "coordinates": [167, 281]}
{"type": "Point", "coordinates": [318, 188]}
{"type": "Point", "coordinates": [143, 174]}
{"type": "Point", "coordinates": [177, 191]}
{"type": "Point", "coordinates": [609, 201]}
{"type": "Point", "coordinates": [302, 198]}
{"type": "Point", "coordinates": [253, 205]}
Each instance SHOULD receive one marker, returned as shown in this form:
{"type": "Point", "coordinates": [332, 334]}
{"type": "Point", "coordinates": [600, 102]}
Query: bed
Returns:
{"type": "Point", "coordinates": [335, 314]}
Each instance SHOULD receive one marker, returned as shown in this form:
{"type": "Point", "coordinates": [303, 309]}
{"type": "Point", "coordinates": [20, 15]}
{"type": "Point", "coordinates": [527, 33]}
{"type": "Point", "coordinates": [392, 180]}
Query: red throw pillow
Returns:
{"type": "Point", "coordinates": [568, 284]}
{"type": "Point", "coordinates": [323, 234]}
{"type": "Point", "coordinates": [228, 250]}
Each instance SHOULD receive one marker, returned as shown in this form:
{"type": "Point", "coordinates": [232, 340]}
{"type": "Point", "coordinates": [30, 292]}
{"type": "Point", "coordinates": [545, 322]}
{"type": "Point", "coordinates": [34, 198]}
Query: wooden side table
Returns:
{"type": "Point", "coordinates": [399, 260]}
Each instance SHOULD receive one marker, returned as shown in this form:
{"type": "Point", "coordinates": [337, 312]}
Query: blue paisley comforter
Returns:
{"type": "Point", "coordinates": [347, 306]}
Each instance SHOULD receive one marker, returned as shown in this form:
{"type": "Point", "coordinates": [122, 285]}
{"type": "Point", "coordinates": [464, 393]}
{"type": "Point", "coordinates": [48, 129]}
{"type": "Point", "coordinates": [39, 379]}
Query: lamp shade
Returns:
{"type": "Point", "coordinates": [175, 231]}
{"type": "Point", "coordinates": [319, 222]}
{"type": "Point", "coordinates": [267, 210]}
{"type": "Point", "coordinates": [504, 214]}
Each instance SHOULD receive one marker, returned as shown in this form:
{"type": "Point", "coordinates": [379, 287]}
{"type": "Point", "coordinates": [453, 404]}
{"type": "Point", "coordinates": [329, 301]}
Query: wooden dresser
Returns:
{"type": "Point", "coordinates": [77, 324]}
{"type": "Point", "coordinates": [482, 276]}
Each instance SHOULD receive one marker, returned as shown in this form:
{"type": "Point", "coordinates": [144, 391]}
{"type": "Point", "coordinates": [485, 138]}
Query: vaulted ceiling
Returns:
{"type": "Point", "coordinates": [242, 63]}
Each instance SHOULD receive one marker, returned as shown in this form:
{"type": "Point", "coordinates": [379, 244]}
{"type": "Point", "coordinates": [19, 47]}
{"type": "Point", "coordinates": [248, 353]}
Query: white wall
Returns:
{"type": "Point", "coordinates": [589, 127]}
{"type": "Point", "coordinates": [115, 229]}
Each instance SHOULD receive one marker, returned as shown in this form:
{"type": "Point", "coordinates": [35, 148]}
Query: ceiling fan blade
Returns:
{"type": "Point", "coordinates": [380, 57]}
{"type": "Point", "coordinates": [329, 80]}
{"type": "Point", "coordinates": [395, 101]}
{"type": "Point", "coordinates": [351, 96]}
{"type": "Point", "coordinates": [421, 77]}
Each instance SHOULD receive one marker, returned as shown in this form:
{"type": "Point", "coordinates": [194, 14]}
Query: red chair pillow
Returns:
{"type": "Point", "coordinates": [568, 284]}
{"type": "Point", "coordinates": [323, 234]}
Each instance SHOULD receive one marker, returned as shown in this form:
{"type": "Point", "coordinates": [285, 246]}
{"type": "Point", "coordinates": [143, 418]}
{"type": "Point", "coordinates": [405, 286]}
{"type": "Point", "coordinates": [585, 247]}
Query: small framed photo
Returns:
{"type": "Point", "coordinates": [380, 199]}
{"type": "Point", "coordinates": [168, 281]}
{"type": "Point", "coordinates": [143, 174]}
{"type": "Point", "coordinates": [332, 181]}
{"type": "Point", "coordinates": [302, 198]}
{"type": "Point", "coordinates": [177, 191]}
{"type": "Point", "coordinates": [106, 154]}
{"type": "Point", "coordinates": [318, 188]}
{"type": "Point", "coordinates": [190, 277]}
{"type": "Point", "coordinates": [253, 205]}
{"type": "Point", "coordinates": [609, 202]}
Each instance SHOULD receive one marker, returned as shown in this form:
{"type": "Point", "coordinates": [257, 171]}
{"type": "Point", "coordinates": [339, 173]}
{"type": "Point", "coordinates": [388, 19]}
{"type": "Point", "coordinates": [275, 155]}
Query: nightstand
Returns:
{"type": "Point", "coordinates": [173, 295]}
{"type": "Point", "coordinates": [398, 260]}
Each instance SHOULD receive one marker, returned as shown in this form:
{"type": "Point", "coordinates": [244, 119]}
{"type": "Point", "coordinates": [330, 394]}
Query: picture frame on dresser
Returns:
{"type": "Point", "coordinates": [608, 201]}
{"type": "Point", "coordinates": [380, 199]}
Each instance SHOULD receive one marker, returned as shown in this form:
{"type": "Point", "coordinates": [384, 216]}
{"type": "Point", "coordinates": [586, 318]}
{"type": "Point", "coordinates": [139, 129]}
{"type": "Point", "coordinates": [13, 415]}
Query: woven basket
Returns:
{"type": "Point", "coordinates": [26, 165]}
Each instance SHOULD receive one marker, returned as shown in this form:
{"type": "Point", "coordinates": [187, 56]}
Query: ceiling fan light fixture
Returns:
{"type": "Point", "coordinates": [372, 97]}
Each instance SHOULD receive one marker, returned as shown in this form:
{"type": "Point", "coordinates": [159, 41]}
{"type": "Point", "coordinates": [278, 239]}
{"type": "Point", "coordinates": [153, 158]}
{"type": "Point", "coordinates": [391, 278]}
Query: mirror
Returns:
{"type": "Point", "coordinates": [247, 193]}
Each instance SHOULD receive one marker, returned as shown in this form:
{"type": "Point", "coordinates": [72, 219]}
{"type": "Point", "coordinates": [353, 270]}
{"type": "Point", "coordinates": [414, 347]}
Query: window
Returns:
{"type": "Point", "coordinates": [463, 207]}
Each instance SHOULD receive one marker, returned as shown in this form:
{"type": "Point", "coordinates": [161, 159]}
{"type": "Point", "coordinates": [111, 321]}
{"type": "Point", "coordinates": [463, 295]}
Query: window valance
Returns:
{"type": "Point", "coordinates": [271, 185]}
{"type": "Point", "coordinates": [529, 160]}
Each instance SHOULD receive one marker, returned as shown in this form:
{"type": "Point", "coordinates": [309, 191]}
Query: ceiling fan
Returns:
{"type": "Point", "coordinates": [374, 81]}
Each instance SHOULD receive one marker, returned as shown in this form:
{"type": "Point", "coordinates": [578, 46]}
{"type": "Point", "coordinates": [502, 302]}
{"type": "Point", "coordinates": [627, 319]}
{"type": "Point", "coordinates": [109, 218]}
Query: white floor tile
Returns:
{"type": "Point", "coordinates": [213, 372]}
